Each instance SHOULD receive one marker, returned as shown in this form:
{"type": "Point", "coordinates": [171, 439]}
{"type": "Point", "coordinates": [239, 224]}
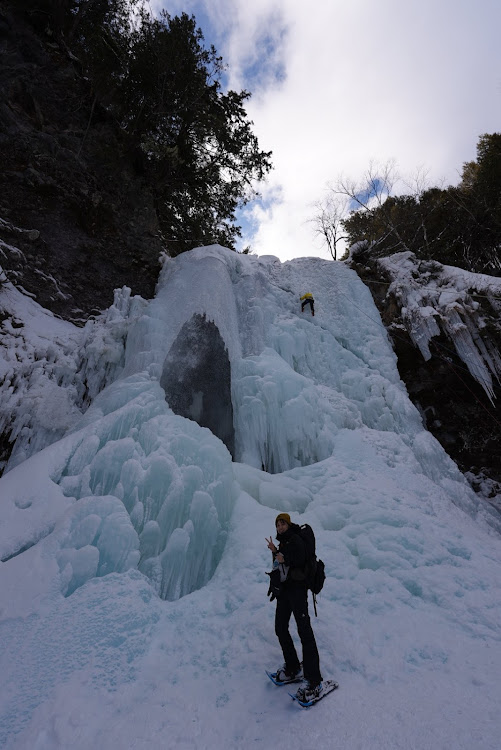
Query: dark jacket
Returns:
{"type": "Point", "coordinates": [294, 551]}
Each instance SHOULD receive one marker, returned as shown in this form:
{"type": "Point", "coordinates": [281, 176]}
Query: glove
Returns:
{"type": "Point", "coordinates": [275, 588]}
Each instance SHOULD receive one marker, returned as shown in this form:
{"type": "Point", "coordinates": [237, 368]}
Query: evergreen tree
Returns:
{"type": "Point", "coordinates": [196, 140]}
{"type": "Point", "coordinates": [162, 86]}
{"type": "Point", "coordinates": [459, 225]}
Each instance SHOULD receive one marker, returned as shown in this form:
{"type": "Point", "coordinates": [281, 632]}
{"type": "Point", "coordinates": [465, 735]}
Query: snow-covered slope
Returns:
{"type": "Point", "coordinates": [133, 608]}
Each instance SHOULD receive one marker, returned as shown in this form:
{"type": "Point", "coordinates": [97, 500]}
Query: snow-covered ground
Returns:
{"type": "Point", "coordinates": [133, 608]}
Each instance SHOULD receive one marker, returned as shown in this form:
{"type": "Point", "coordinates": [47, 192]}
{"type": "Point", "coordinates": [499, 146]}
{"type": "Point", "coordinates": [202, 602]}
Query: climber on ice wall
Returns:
{"type": "Point", "coordinates": [307, 299]}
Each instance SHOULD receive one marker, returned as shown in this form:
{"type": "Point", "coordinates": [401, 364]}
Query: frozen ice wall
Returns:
{"type": "Point", "coordinates": [50, 370]}
{"type": "Point", "coordinates": [172, 477]}
{"type": "Point", "coordinates": [144, 488]}
{"type": "Point", "coordinates": [295, 380]}
{"type": "Point", "coordinates": [222, 362]}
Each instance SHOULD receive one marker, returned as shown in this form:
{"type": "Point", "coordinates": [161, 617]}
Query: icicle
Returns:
{"type": "Point", "coordinates": [436, 299]}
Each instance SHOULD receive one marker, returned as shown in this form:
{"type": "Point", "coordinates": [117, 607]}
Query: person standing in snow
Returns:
{"type": "Point", "coordinates": [307, 299]}
{"type": "Point", "coordinates": [293, 599]}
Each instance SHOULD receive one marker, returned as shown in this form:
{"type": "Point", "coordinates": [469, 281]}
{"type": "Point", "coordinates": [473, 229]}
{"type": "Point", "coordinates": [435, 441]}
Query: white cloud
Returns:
{"type": "Point", "coordinates": [417, 81]}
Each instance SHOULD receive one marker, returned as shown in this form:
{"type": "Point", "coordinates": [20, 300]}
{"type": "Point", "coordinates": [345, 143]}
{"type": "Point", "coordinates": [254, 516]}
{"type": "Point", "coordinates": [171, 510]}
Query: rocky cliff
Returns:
{"type": "Point", "coordinates": [445, 327]}
{"type": "Point", "coordinates": [76, 216]}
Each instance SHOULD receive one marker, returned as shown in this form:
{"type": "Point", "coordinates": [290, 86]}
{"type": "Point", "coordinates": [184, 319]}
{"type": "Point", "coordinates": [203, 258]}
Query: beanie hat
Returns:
{"type": "Point", "coordinates": [284, 517]}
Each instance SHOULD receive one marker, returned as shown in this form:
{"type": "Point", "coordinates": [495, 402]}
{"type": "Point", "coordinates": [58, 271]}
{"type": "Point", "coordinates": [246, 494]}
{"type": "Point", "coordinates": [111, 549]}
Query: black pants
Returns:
{"type": "Point", "coordinates": [294, 600]}
{"type": "Point", "coordinates": [310, 303]}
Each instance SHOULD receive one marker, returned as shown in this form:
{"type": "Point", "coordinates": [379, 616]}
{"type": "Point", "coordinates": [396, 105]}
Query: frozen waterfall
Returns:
{"type": "Point", "coordinates": [220, 364]}
{"type": "Point", "coordinates": [132, 532]}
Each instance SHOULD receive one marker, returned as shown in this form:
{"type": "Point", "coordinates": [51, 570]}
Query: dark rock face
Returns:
{"type": "Point", "coordinates": [72, 198]}
{"type": "Point", "coordinates": [196, 378]}
{"type": "Point", "coordinates": [454, 407]}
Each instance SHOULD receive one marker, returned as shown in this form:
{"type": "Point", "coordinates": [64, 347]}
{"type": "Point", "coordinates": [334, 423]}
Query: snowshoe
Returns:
{"type": "Point", "coordinates": [282, 677]}
{"type": "Point", "coordinates": [306, 696]}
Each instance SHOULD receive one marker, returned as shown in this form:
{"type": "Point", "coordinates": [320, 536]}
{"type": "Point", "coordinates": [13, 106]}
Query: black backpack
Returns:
{"type": "Point", "coordinates": [314, 569]}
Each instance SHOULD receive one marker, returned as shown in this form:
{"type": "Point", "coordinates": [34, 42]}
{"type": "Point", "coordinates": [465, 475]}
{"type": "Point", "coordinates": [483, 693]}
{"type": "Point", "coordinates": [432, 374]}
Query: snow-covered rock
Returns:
{"type": "Point", "coordinates": [435, 298]}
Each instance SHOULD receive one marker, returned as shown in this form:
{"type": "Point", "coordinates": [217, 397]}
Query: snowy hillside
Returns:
{"type": "Point", "coordinates": [133, 609]}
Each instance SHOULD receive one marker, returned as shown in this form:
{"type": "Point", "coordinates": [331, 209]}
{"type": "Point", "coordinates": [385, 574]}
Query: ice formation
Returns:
{"type": "Point", "coordinates": [50, 370]}
{"type": "Point", "coordinates": [132, 546]}
{"type": "Point", "coordinates": [196, 378]}
{"type": "Point", "coordinates": [221, 345]}
{"type": "Point", "coordinates": [436, 299]}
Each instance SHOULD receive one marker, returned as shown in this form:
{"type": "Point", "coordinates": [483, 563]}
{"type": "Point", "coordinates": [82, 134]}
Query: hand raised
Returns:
{"type": "Point", "coordinates": [270, 544]}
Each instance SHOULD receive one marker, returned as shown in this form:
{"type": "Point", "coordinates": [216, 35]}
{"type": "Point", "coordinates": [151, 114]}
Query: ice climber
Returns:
{"type": "Point", "coordinates": [307, 299]}
{"type": "Point", "coordinates": [292, 598]}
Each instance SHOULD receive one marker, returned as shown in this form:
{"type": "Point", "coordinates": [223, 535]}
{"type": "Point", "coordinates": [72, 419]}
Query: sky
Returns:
{"type": "Point", "coordinates": [338, 85]}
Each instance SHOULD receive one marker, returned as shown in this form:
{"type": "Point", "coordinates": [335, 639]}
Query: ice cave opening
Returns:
{"type": "Point", "coordinates": [196, 378]}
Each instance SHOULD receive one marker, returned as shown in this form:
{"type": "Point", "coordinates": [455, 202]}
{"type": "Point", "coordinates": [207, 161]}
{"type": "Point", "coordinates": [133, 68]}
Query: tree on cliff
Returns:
{"type": "Point", "coordinates": [163, 88]}
{"type": "Point", "coordinates": [459, 225]}
{"type": "Point", "coordinates": [328, 222]}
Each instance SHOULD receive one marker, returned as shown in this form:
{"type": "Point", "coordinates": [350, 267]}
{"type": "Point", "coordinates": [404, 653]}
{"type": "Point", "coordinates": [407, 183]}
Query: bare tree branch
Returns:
{"type": "Point", "coordinates": [328, 222]}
